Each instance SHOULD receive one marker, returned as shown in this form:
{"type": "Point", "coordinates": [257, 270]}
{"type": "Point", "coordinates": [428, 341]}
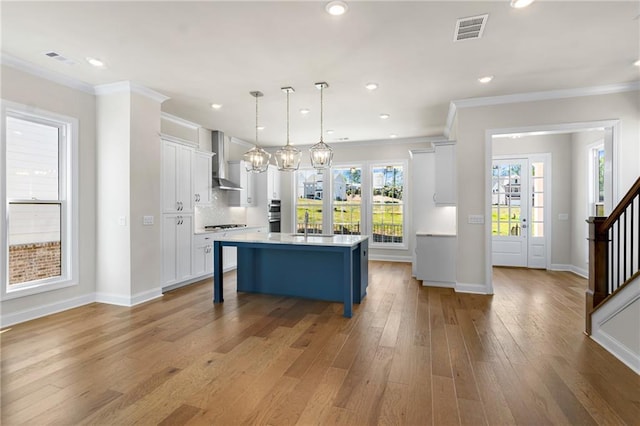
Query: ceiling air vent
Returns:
{"type": "Point", "coordinates": [470, 28]}
{"type": "Point", "coordinates": [59, 57]}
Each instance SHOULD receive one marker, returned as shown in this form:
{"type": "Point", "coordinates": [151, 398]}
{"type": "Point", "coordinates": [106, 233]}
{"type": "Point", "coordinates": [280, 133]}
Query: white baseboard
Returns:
{"type": "Point", "coordinates": [617, 349]}
{"type": "Point", "coordinates": [44, 310]}
{"type": "Point", "coordinates": [622, 300]}
{"type": "Point", "coordinates": [388, 258]}
{"type": "Point", "coordinates": [441, 284]}
{"type": "Point", "coordinates": [471, 288]}
{"type": "Point", "coordinates": [569, 268]}
{"type": "Point", "coordinates": [136, 299]}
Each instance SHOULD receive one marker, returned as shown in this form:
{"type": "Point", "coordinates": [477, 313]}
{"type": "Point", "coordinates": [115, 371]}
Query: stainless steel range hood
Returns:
{"type": "Point", "coordinates": [220, 163]}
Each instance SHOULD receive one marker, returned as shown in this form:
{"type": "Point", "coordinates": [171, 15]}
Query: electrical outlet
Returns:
{"type": "Point", "coordinates": [122, 221]}
{"type": "Point", "coordinates": [476, 219]}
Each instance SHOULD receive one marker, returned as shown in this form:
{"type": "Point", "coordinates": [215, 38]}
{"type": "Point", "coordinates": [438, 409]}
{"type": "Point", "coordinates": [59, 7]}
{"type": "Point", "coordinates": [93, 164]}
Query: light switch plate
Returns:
{"type": "Point", "coordinates": [476, 219]}
{"type": "Point", "coordinates": [122, 221]}
{"type": "Point", "coordinates": [147, 220]}
{"type": "Point", "coordinates": [563, 216]}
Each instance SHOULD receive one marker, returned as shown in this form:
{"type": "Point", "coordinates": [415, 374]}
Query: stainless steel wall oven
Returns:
{"type": "Point", "coordinates": [274, 215]}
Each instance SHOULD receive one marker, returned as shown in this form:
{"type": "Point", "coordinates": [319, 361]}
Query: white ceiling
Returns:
{"type": "Point", "coordinates": [203, 52]}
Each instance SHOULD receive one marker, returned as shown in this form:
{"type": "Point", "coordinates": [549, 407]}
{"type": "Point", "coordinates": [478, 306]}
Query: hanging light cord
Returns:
{"type": "Point", "coordinates": [321, 131]}
{"type": "Point", "coordinates": [287, 117]}
{"type": "Point", "coordinates": [256, 119]}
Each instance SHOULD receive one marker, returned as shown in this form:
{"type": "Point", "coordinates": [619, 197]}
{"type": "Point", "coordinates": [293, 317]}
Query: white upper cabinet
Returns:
{"type": "Point", "coordinates": [177, 166]}
{"type": "Point", "coordinates": [273, 183]}
{"type": "Point", "coordinates": [246, 196]}
{"type": "Point", "coordinates": [445, 174]}
{"type": "Point", "coordinates": [202, 175]}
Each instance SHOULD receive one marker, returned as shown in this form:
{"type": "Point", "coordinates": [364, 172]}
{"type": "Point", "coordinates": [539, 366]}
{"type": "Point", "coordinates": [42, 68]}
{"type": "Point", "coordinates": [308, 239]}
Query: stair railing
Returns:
{"type": "Point", "coordinates": [614, 251]}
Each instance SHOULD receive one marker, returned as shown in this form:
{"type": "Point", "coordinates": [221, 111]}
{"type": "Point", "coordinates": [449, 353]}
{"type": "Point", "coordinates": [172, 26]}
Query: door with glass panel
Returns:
{"type": "Point", "coordinates": [518, 211]}
{"type": "Point", "coordinates": [509, 215]}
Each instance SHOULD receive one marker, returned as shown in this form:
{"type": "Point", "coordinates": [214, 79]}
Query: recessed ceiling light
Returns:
{"type": "Point", "coordinates": [393, 136]}
{"type": "Point", "coordinates": [336, 8]}
{"type": "Point", "coordinates": [216, 106]}
{"type": "Point", "coordinates": [95, 62]}
{"type": "Point", "coordinates": [486, 79]}
{"type": "Point", "coordinates": [371, 86]}
{"type": "Point", "coordinates": [637, 63]}
{"type": "Point", "coordinates": [329, 132]}
{"type": "Point", "coordinates": [519, 4]}
{"type": "Point", "coordinates": [260, 127]}
{"type": "Point", "coordinates": [304, 111]}
{"type": "Point", "coordinates": [384, 116]}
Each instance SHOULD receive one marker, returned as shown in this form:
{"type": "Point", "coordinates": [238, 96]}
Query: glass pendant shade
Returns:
{"type": "Point", "coordinates": [256, 159]}
{"type": "Point", "coordinates": [321, 154]}
{"type": "Point", "coordinates": [288, 157]}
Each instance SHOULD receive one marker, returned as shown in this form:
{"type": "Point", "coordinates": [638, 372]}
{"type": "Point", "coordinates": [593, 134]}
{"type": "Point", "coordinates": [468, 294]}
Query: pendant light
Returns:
{"type": "Point", "coordinates": [321, 153]}
{"type": "Point", "coordinates": [256, 159]}
{"type": "Point", "coordinates": [288, 157]}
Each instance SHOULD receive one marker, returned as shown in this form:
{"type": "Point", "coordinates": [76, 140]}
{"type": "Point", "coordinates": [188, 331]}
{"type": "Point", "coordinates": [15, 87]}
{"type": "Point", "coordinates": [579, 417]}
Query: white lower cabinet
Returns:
{"type": "Point", "coordinates": [435, 260]}
{"type": "Point", "coordinates": [202, 254]}
{"type": "Point", "coordinates": [177, 248]}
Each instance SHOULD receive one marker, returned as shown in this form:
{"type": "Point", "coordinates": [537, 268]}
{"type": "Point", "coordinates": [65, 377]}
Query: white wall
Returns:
{"type": "Point", "coordinates": [144, 169]}
{"type": "Point", "coordinates": [580, 198]}
{"type": "Point", "coordinates": [113, 190]}
{"type": "Point", "coordinates": [474, 122]}
{"type": "Point", "coordinates": [27, 89]}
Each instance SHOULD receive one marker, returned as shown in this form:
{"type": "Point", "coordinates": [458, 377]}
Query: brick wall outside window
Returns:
{"type": "Point", "coordinates": [29, 262]}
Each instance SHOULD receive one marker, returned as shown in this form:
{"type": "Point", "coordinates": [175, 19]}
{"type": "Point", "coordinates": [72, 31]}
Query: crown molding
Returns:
{"type": "Point", "coordinates": [536, 96]}
{"type": "Point", "coordinates": [180, 121]}
{"type": "Point", "coordinates": [38, 71]}
{"type": "Point", "coordinates": [129, 86]}
{"type": "Point", "coordinates": [241, 142]}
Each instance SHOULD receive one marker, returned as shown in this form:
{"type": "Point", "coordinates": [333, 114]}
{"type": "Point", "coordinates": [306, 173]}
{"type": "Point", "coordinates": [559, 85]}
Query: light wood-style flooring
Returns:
{"type": "Point", "coordinates": [411, 355]}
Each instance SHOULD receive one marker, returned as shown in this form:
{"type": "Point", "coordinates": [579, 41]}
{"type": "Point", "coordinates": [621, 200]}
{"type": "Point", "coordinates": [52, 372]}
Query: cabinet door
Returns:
{"type": "Point", "coordinates": [244, 197]}
{"type": "Point", "coordinates": [445, 179]}
{"type": "Point", "coordinates": [202, 255]}
{"type": "Point", "coordinates": [185, 179]}
{"type": "Point", "coordinates": [184, 232]}
{"type": "Point", "coordinates": [176, 178]}
{"type": "Point", "coordinates": [273, 184]}
{"type": "Point", "coordinates": [202, 178]}
{"type": "Point", "coordinates": [169, 249]}
{"type": "Point", "coordinates": [170, 177]}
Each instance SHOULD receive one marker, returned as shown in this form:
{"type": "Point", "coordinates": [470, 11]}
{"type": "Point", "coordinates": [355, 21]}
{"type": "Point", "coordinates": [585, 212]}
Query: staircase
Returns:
{"type": "Point", "coordinates": [614, 267]}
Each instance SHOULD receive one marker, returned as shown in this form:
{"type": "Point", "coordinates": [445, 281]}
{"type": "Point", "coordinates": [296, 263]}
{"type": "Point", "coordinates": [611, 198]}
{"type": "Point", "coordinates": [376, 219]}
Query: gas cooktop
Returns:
{"type": "Point", "coordinates": [225, 226]}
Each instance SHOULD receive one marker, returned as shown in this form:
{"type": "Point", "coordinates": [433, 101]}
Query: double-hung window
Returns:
{"type": "Point", "coordinates": [39, 236]}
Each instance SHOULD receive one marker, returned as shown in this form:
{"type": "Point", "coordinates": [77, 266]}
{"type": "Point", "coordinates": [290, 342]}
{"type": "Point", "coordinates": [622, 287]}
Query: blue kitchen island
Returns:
{"type": "Point", "coordinates": [332, 268]}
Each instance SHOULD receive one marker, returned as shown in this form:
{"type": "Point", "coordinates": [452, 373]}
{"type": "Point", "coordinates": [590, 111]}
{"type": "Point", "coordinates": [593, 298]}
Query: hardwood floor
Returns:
{"type": "Point", "coordinates": [410, 355]}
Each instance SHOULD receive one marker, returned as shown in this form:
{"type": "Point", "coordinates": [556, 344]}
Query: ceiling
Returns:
{"type": "Point", "coordinates": [199, 53]}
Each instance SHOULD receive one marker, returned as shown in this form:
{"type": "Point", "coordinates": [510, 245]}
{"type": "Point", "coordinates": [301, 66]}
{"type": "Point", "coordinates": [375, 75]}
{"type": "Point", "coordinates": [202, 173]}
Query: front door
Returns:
{"type": "Point", "coordinates": [509, 213]}
{"type": "Point", "coordinates": [519, 208]}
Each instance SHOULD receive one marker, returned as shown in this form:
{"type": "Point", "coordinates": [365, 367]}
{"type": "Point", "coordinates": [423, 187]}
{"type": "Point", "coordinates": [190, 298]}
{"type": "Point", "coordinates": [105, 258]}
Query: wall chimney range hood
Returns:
{"type": "Point", "coordinates": [220, 163]}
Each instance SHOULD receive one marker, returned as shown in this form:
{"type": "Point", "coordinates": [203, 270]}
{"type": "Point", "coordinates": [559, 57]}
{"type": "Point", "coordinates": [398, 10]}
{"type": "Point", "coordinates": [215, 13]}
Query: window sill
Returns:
{"type": "Point", "coordinates": [36, 289]}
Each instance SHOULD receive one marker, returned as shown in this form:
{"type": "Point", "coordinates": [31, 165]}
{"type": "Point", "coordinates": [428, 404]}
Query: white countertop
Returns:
{"type": "Point", "coordinates": [297, 239]}
{"type": "Point", "coordinates": [435, 234]}
{"type": "Point", "coordinates": [242, 228]}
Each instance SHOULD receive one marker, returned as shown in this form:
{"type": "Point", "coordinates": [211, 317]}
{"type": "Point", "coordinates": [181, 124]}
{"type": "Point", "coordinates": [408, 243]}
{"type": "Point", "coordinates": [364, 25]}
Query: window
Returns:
{"type": "Point", "coordinates": [537, 199]}
{"type": "Point", "coordinates": [347, 200]}
{"type": "Point", "coordinates": [505, 199]}
{"type": "Point", "coordinates": [309, 199]}
{"type": "Point", "coordinates": [41, 228]}
{"type": "Point", "coordinates": [354, 199]}
{"type": "Point", "coordinates": [597, 180]}
{"type": "Point", "coordinates": [387, 206]}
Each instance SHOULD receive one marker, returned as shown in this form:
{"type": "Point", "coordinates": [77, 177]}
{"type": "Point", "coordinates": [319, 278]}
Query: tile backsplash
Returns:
{"type": "Point", "coordinates": [219, 212]}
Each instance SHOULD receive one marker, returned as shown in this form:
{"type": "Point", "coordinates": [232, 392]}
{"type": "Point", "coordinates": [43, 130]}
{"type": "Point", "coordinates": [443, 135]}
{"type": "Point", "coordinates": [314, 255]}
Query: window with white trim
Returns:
{"type": "Point", "coordinates": [387, 205]}
{"type": "Point", "coordinates": [40, 233]}
{"type": "Point", "coordinates": [596, 172]}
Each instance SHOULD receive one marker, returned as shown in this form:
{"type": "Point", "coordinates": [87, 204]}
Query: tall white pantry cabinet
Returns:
{"type": "Point", "coordinates": [186, 182]}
